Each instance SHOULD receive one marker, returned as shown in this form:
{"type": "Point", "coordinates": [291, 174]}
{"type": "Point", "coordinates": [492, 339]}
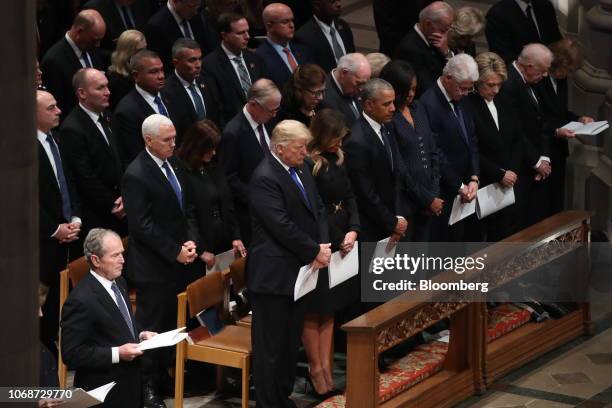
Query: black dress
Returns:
{"type": "Point", "coordinates": [334, 187]}
{"type": "Point", "coordinates": [119, 86]}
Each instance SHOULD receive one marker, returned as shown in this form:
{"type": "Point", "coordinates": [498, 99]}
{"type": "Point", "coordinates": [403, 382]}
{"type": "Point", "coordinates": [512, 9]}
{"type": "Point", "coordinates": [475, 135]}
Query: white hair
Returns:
{"type": "Point", "coordinates": [151, 125]}
{"type": "Point", "coordinates": [352, 62]}
{"type": "Point", "coordinates": [462, 67]}
{"type": "Point", "coordinates": [535, 53]}
{"type": "Point", "coordinates": [436, 11]}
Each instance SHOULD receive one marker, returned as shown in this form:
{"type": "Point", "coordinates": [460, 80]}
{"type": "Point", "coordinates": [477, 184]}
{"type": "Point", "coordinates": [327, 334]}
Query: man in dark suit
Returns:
{"type": "Point", "coordinates": [190, 97]}
{"type": "Point", "coordinates": [374, 165]}
{"type": "Point", "coordinates": [59, 222]}
{"type": "Point", "coordinates": [523, 93]}
{"type": "Point", "coordinates": [512, 24]}
{"type": "Point", "coordinates": [142, 101]}
{"type": "Point", "coordinates": [326, 35]}
{"type": "Point", "coordinates": [91, 152]}
{"type": "Point", "coordinates": [450, 119]}
{"type": "Point", "coordinates": [281, 55]}
{"type": "Point", "coordinates": [343, 86]}
{"type": "Point", "coordinates": [78, 49]}
{"type": "Point", "coordinates": [232, 68]}
{"type": "Point", "coordinates": [179, 19]}
{"type": "Point", "coordinates": [289, 231]}
{"type": "Point", "coordinates": [245, 143]}
{"type": "Point", "coordinates": [394, 19]}
{"type": "Point", "coordinates": [120, 15]}
{"type": "Point", "coordinates": [99, 334]}
{"type": "Point", "coordinates": [163, 236]}
{"type": "Point", "coordinates": [425, 47]}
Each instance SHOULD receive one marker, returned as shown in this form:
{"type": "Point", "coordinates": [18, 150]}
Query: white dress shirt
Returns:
{"type": "Point", "coordinates": [150, 99]}
{"type": "Point", "coordinates": [160, 163]}
{"type": "Point", "coordinates": [493, 109]}
{"type": "Point", "coordinates": [254, 126]}
{"type": "Point", "coordinates": [231, 56]}
{"type": "Point", "coordinates": [95, 117]}
{"type": "Point", "coordinates": [77, 51]}
{"type": "Point", "coordinates": [186, 85]}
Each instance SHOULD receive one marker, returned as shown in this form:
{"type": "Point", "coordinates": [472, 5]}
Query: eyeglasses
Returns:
{"type": "Point", "coordinates": [316, 92]}
{"type": "Point", "coordinates": [273, 111]}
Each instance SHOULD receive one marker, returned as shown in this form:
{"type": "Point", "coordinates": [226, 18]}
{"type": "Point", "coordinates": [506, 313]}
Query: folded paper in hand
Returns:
{"type": "Point", "coordinates": [342, 269]}
{"type": "Point", "coordinates": [222, 261]}
{"type": "Point", "coordinates": [306, 281]}
{"type": "Point", "coordinates": [461, 210]}
{"type": "Point", "coordinates": [166, 339]}
{"type": "Point", "coordinates": [86, 399]}
{"type": "Point", "coordinates": [493, 198]}
{"type": "Point", "coordinates": [590, 129]}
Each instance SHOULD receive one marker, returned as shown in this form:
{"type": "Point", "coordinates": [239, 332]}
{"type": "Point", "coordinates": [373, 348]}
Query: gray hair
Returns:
{"type": "Point", "coordinates": [461, 67]}
{"type": "Point", "coordinates": [377, 61]}
{"type": "Point", "coordinates": [535, 53]}
{"type": "Point", "coordinates": [373, 88]}
{"type": "Point", "coordinates": [468, 21]}
{"type": "Point", "coordinates": [136, 64]}
{"type": "Point", "coordinates": [352, 62]}
{"type": "Point", "coordinates": [436, 11]}
{"type": "Point", "coordinates": [261, 90]}
{"type": "Point", "coordinates": [94, 243]}
{"type": "Point", "coordinates": [151, 124]}
{"type": "Point", "coordinates": [184, 43]}
{"type": "Point", "coordinates": [288, 131]}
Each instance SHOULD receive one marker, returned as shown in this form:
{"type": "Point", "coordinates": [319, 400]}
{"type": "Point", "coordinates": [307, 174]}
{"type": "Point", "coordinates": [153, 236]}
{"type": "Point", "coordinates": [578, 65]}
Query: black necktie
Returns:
{"type": "Point", "coordinates": [459, 115]}
{"type": "Point", "coordinates": [129, 24]}
{"type": "Point", "coordinates": [262, 140]}
{"type": "Point", "coordinates": [387, 144]}
{"type": "Point", "coordinates": [123, 308]}
{"type": "Point", "coordinates": [531, 20]}
{"type": "Point", "coordinates": [103, 120]}
{"type": "Point", "coordinates": [86, 59]}
{"type": "Point", "coordinates": [61, 179]}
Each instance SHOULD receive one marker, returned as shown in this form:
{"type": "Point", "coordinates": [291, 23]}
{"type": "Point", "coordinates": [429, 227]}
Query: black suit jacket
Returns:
{"type": "Point", "coordinates": [91, 325]}
{"type": "Point", "coordinates": [498, 149]}
{"type": "Point", "coordinates": [375, 182]}
{"type": "Point", "coordinates": [182, 106]}
{"type": "Point", "coordinates": [556, 112]}
{"type": "Point", "coordinates": [394, 19]}
{"type": "Point", "coordinates": [162, 31]}
{"type": "Point", "coordinates": [507, 29]}
{"type": "Point", "coordinates": [276, 68]}
{"type": "Point", "coordinates": [286, 230]}
{"type": "Point", "coordinates": [459, 158]}
{"type": "Point", "coordinates": [536, 141]}
{"type": "Point", "coordinates": [157, 223]}
{"type": "Point", "coordinates": [95, 166]}
{"type": "Point", "coordinates": [127, 122]}
{"type": "Point", "coordinates": [310, 34]}
{"type": "Point", "coordinates": [427, 61]}
{"type": "Point", "coordinates": [219, 71]}
{"type": "Point", "coordinates": [141, 12]}
{"type": "Point", "coordinates": [58, 66]}
{"type": "Point", "coordinates": [50, 216]}
{"type": "Point", "coordinates": [334, 99]}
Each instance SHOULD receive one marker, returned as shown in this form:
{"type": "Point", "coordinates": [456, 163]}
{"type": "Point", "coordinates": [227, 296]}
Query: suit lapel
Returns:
{"type": "Point", "coordinates": [284, 174]}
{"type": "Point", "coordinates": [158, 173]}
{"type": "Point", "coordinates": [43, 160]}
{"type": "Point", "coordinates": [376, 143]}
{"type": "Point", "coordinates": [451, 114]}
{"type": "Point", "coordinates": [227, 66]}
{"type": "Point", "coordinates": [109, 305]}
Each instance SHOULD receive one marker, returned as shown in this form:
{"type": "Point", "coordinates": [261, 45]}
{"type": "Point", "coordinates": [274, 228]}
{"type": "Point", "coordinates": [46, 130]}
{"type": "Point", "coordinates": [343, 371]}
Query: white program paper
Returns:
{"type": "Point", "coordinates": [493, 198]}
{"type": "Point", "coordinates": [166, 339]}
{"type": "Point", "coordinates": [86, 399]}
{"type": "Point", "coordinates": [306, 281]}
{"type": "Point", "coordinates": [341, 269]}
{"type": "Point", "coordinates": [591, 129]}
{"type": "Point", "coordinates": [384, 249]}
{"type": "Point", "coordinates": [461, 210]}
{"type": "Point", "coordinates": [222, 261]}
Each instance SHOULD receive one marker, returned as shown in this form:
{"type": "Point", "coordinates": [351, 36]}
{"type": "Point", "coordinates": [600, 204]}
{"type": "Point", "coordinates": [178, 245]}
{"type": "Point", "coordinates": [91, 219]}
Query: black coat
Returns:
{"type": "Point", "coordinates": [218, 71]}
{"type": "Point", "coordinates": [394, 19]}
{"type": "Point", "coordinates": [375, 182]}
{"type": "Point", "coordinates": [158, 226]}
{"type": "Point", "coordinates": [119, 86]}
{"type": "Point", "coordinates": [334, 99]}
{"type": "Point", "coordinates": [508, 30]}
{"type": "Point", "coordinates": [58, 65]}
{"type": "Point", "coordinates": [91, 325]}
{"type": "Point", "coordinates": [276, 68]}
{"type": "Point", "coordinates": [310, 35]}
{"type": "Point", "coordinates": [286, 230]}
{"type": "Point", "coordinates": [95, 166]}
{"type": "Point", "coordinates": [162, 31]}
{"type": "Point", "coordinates": [426, 61]}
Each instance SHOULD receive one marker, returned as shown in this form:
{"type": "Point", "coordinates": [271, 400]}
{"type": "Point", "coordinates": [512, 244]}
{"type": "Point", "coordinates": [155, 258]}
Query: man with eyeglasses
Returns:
{"type": "Point", "coordinates": [450, 119]}
{"type": "Point", "coordinates": [281, 55]}
{"type": "Point", "coordinates": [426, 46]}
{"type": "Point", "coordinates": [245, 143]}
{"type": "Point", "coordinates": [327, 35]}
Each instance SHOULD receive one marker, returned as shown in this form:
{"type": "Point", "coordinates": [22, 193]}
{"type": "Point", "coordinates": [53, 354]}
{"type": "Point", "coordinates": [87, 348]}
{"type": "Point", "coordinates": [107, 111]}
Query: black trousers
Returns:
{"type": "Point", "coordinates": [275, 335]}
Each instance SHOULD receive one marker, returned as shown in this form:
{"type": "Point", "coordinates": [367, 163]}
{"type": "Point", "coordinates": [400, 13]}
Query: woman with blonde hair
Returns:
{"type": "Point", "coordinates": [326, 162]}
{"type": "Point", "coordinates": [500, 142]}
{"type": "Point", "coordinates": [120, 80]}
{"type": "Point", "coordinates": [469, 23]}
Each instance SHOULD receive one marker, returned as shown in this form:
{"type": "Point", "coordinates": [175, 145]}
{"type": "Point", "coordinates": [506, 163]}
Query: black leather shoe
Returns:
{"type": "Point", "coordinates": [151, 398]}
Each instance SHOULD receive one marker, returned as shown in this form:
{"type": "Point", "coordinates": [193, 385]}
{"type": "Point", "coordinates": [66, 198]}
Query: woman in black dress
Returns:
{"type": "Point", "coordinates": [120, 81]}
{"type": "Point", "coordinates": [217, 224]}
{"type": "Point", "coordinates": [417, 147]}
{"type": "Point", "coordinates": [302, 94]}
{"type": "Point", "coordinates": [327, 163]}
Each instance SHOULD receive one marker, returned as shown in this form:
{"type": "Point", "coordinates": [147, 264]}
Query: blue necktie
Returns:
{"type": "Point", "coordinates": [199, 106]}
{"type": "Point", "coordinates": [186, 30]}
{"type": "Point", "coordinates": [85, 57]}
{"type": "Point", "coordinates": [160, 106]}
{"type": "Point", "coordinates": [126, 16]}
{"type": "Point", "coordinates": [123, 308]}
{"type": "Point", "coordinates": [296, 180]}
{"type": "Point", "coordinates": [174, 183]}
{"type": "Point", "coordinates": [459, 115]}
{"type": "Point", "coordinates": [61, 179]}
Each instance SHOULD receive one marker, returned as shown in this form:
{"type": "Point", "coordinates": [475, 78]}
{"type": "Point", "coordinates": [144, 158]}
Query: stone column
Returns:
{"type": "Point", "coordinates": [19, 205]}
